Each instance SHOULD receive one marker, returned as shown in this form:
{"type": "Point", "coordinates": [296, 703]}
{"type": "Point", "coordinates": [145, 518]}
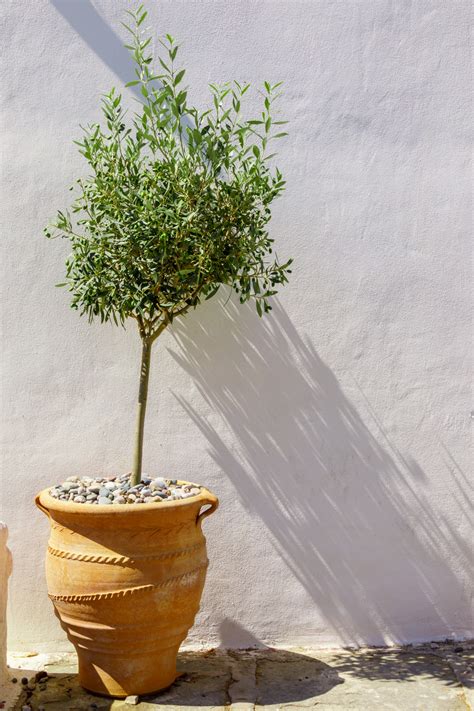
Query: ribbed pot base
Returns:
{"type": "Point", "coordinates": [126, 583]}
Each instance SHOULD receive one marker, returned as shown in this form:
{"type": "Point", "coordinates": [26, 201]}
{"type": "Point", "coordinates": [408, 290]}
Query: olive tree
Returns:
{"type": "Point", "coordinates": [176, 205]}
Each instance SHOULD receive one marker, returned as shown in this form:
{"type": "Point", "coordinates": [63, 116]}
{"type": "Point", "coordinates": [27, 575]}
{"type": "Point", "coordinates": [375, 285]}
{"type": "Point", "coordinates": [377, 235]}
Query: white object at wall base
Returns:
{"type": "Point", "coordinates": [5, 571]}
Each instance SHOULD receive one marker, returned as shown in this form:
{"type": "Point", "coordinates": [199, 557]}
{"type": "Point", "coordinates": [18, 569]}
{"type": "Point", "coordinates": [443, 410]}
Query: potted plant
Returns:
{"type": "Point", "coordinates": [176, 205]}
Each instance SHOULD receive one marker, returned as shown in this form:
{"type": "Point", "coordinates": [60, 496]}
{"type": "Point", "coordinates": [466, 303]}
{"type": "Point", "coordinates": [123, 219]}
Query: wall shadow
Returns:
{"type": "Point", "coordinates": [99, 37]}
{"type": "Point", "coordinates": [342, 505]}
{"type": "Point", "coordinates": [84, 19]}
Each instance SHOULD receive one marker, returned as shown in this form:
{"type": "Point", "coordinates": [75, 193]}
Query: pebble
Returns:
{"type": "Point", "coordinates": [117, 490]}
{"type": "Point", "coordinates": [132, 700]}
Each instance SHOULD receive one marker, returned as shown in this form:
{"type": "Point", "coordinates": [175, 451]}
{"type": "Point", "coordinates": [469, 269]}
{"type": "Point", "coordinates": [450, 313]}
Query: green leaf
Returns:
{"type": "Point", "coordinates": [179, 76]}
{"type": "Point", "coordinates": [141, 19]}
{"type": "Point", "coordinates": [213, 292]}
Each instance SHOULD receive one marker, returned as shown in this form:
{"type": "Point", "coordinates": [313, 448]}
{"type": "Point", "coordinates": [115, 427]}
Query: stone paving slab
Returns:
{"type": "Point", "coordinates": [424, 678]}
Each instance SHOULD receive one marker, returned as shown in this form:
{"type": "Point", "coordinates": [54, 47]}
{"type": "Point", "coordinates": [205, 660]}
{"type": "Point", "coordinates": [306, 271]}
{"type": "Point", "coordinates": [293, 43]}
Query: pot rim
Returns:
{"type": "Point", "coordinates": [46, 502]}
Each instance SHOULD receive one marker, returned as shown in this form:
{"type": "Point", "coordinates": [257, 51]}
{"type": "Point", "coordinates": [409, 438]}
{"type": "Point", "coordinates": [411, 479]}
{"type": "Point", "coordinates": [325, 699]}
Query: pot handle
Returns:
{"type": "Point", "coordinates": [214, 503]}
{"type": "Point", "coordinates": [41, 507]}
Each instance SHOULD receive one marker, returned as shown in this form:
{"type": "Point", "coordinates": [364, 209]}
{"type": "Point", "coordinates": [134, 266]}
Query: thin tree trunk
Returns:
{"type": "Point", "coordinates": [141, 409]}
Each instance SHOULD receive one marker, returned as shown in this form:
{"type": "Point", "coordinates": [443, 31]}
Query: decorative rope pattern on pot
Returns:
{"type": "Point", "coordinates": [168, 532]}
{"type": "Point", "coordinates": [121, 559]}
{"type": "Point", "coordinates": [126, 592]}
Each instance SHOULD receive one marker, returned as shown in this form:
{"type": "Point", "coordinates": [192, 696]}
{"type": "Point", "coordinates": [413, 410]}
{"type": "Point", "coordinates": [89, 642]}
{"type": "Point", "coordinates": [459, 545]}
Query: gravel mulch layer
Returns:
{"type": "Point", "coordinates": [118, 490]}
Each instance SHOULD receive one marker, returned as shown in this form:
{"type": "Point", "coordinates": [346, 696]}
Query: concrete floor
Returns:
{"type": "Point", "coordinates": [423, 678]}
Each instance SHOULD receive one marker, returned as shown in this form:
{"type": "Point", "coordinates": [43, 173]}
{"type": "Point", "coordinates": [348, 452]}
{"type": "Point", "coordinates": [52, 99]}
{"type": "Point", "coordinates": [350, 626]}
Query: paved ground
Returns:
{"type": "Point", "coordinates": [424, 678]}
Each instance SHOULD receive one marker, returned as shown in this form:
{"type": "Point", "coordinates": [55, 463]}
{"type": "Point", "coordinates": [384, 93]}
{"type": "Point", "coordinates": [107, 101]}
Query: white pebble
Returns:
{"type": "Point", "coordinates": [158, 483]}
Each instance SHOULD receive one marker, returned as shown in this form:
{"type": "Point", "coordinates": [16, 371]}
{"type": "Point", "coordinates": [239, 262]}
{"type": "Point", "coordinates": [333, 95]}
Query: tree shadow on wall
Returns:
{"type": "Point", "coordinates": [337, 497]}
{"type": "Point", "coordinates": [86, 21]}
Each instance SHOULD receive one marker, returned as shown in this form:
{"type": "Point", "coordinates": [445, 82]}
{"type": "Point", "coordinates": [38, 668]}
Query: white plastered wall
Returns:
{"type": "Point", "coordinates": [335, 431]}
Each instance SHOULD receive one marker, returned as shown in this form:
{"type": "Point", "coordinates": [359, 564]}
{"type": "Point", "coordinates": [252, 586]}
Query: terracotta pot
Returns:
{"type": "Point", "coordinates": [126, 582]}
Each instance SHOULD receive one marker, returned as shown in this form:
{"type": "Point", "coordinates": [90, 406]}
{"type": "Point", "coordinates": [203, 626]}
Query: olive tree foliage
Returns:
{"type": "Point", "coordinates": [176, 205]}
